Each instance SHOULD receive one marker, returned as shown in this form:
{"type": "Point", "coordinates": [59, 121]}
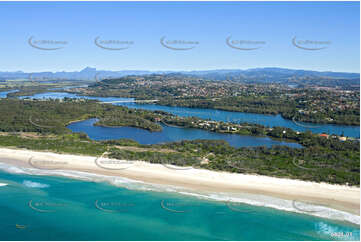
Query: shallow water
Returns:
{"type": "Point", "coordinates": [58, 208]}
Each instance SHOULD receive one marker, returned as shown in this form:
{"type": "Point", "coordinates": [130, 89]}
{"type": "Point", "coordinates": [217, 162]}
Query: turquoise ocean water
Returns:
{"type": "Point", "coordinates": [34, 207]}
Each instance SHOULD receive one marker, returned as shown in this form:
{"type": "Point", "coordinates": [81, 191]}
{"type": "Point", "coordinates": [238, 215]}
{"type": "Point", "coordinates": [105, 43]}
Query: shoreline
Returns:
{"type": "Point", "coordinates": [268, 114]}
{"type": "Point", "coordinates": [220, 109]}
{"type": "Point", "coordinates": [338, 197]}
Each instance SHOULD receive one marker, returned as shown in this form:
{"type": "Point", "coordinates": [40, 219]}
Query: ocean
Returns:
{"type": "Point", "coordinates": [81, 206]}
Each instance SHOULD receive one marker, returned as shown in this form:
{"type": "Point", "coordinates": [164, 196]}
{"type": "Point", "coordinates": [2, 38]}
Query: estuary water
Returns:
{"type": "Point", "coordinates": [170, 134]}
{"type": "Point", "coordinates": [219, 115]}
{"type": "Point", "coordinates": [5, 93]}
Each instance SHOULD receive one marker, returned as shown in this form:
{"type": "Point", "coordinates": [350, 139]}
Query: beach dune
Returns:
{"type": "Point", "coordinates": [343, 198]}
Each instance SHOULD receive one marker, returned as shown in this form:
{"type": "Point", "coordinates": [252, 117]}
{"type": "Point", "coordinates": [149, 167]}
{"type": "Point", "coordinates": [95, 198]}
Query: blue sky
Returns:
{"type": "Point", "coordinates": [145, 23]}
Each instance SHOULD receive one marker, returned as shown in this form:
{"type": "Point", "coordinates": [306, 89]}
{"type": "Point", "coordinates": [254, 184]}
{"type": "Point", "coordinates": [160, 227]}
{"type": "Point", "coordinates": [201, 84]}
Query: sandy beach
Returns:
{"type": "Point", "coordinates": [343, 198]}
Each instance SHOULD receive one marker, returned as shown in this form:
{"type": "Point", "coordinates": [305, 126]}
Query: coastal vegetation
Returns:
{"type": "Point", "coordinates": [335, 162]}
{"type": "Point", "coordinates": [52, 116]}
{"type": "Point", "coordinates": [77, 143]}
{"type": "Point", "coordinates": [41, 125]}
{"type": "Point", "coordinates": [321, 160]}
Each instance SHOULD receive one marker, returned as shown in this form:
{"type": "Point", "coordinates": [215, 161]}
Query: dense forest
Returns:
{"type": "Point", "coordinates": [52, 116]}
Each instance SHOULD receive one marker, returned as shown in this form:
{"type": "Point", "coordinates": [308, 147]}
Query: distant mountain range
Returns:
{"type": "Point", "coordinates": [269, 74]}
{"type": "Point", "coordinates": [87, 74]}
